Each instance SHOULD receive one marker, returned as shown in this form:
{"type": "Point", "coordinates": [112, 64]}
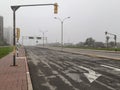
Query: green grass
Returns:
{"type": "Point", "coordinates": [5, 50]}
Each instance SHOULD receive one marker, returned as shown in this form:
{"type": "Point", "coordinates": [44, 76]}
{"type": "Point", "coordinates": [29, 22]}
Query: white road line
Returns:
{"type": "Point", "coordinates": [91, 75]}
{"type": "Point", "coordinates": [116, 69]}
{"type": "Point", "coordinates": [103, 84]}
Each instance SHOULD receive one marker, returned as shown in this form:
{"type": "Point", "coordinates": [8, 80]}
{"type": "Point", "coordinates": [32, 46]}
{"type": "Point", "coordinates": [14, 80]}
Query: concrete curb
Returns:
{"type": "Point", "coordinates": [29, 83]}
{"type": "Point", "coordinates": [30, 87]}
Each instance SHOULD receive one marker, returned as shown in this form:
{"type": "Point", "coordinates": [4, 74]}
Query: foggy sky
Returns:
{"type": "Point", "coordinates": [89, 18]}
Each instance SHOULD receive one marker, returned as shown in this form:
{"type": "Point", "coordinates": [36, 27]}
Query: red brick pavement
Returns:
{"type": "Point", "coordinates": [13, 77]}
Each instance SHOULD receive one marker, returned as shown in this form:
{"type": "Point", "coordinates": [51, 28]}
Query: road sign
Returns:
{"type": "Point", "coordinates": [31, 37]}
{"type": "Point", "coordinates": [39, 37]}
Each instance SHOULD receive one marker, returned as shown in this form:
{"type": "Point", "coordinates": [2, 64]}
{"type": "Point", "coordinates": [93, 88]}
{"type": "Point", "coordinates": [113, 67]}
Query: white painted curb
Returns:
{"type": "Point", "coordinates": [30, 87]}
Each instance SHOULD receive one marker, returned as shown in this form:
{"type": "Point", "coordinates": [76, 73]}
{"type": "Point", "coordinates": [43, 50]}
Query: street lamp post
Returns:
{"type": "Point", "coordinates": [43, 39]}
{"type": "Point", "coordinates": [62, 22]}
{"type": "Point", "coordinates": [22, 40]}
{"type": "Point", "coordinates": [15, 8]}
{"type": "Point", "coordinates": [43, 33]}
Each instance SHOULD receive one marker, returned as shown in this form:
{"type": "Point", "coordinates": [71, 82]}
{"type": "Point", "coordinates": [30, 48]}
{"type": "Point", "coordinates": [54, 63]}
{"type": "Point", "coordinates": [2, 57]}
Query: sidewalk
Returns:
{"type": "Point", "coordinates": [13, 77]}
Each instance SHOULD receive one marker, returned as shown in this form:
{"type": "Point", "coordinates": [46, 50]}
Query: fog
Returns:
{"type": "Point", "coordinates": [89, 18]}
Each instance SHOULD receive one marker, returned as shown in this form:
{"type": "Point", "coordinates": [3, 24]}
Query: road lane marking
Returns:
{"type": "Point", "coordinates": [91, 75]}
{"type": "Point", "coordinates": [103, 84]}
{"type": "Point", "coordinates": [116, 69]}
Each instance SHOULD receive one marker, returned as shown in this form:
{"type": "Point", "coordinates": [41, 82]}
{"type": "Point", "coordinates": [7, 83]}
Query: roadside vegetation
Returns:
{"type": "Point", "coordinates": [5, 50]}
{"type": "Point", "coordinates": [90, 43]}
{"type": "Point", "coordinates": [109, 49]}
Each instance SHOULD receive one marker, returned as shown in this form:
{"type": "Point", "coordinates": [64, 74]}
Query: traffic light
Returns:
{"type": "Point", "coordinates": [106, 33]}
{"type": "Point", "coordinates": [18, 33]}
{"type": "Point", "coordinates": [55, 8]}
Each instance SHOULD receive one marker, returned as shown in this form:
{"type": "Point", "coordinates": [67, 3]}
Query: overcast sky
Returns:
{"type": "Point", "coordinates": [89, 18]}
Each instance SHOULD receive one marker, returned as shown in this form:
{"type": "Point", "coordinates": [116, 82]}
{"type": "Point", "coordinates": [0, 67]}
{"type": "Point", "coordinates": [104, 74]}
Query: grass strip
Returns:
{"type": "Point", "coordinates": [5, 50]}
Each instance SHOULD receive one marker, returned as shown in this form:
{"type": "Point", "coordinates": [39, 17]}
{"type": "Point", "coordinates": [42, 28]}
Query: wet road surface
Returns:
{"type": "Point", "coordinates": [56, 70]}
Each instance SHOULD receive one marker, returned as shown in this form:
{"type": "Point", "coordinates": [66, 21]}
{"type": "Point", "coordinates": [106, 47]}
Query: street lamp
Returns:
{"type": "Point", "coordinates": [62, 21]}
{"type": "Point", "coordinates": [15, 8]}
{"type": "Point", "coordinates": [43, 32]}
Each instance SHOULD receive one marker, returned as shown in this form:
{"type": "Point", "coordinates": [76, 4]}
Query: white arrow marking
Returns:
{"type": "Point", "coordinates": [116, 69]}
{"type": "Point", "coordinates": [91, 75]}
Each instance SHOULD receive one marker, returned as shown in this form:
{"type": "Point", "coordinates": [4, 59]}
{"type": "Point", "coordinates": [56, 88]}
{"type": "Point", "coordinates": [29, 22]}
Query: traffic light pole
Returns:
{"type": "Point", "coordinates": [62, 35]}
{"type": "Point", "coordinates": [14, 40]}
{"type": "Point", "coordinates": [14, 8]}
{"type": "Point", "coordinates": [115, 38]}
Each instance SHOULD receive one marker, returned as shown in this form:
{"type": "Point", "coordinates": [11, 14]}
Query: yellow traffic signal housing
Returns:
{"type": "Point", "coordinates": [18, 33]}
{"type": "Point", "coordinates": [55, 8]}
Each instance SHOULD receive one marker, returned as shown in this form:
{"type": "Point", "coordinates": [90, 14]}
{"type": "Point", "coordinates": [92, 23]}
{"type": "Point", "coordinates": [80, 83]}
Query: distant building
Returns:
{"type": "Point", "coordinates": [1, 28]}
{"type": "Point", "coordinates": [8, 35]}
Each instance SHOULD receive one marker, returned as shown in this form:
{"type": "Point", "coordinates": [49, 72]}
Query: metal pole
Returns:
{"type": "Point", "coordinates": [115, 37]}
{"type": "Point", "coordinates": [34, 5]}
{"type": "Point", "coordinates": [61, 34]}
{"type": "Point", "coordinates": [107, 40]}
{"type": "Point", "coordinates": [14, 8]}
{"type": "Point", "coordinates": [14, 41]}
{"type": "Point", "coordinates": [22, 40]}
{"type": "Point", "coordinates": [46, 41]}
{"type": "Point", "coordinates": [43, 39]}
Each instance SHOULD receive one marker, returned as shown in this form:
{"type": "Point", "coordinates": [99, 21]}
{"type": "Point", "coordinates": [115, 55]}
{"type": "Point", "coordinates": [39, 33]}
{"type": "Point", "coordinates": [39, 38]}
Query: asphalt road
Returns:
{"type": "Point", "coordinates": [57, 70]}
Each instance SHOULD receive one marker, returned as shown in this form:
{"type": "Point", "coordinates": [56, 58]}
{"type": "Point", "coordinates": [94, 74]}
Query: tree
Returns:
{"type": "Point", "coordinates": [90, 42]}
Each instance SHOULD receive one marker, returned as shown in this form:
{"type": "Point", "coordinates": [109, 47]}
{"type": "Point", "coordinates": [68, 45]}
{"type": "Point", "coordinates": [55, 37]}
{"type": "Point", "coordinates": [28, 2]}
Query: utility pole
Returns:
{"type": "Point", "coordinates": [43, 34]}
